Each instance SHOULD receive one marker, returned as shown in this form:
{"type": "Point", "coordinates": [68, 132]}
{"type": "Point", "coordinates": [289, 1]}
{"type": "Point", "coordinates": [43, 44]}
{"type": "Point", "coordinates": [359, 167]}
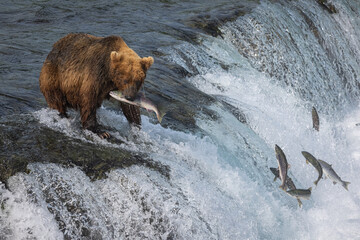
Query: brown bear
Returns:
{"type": "Point", "coordinates": [82, 69]}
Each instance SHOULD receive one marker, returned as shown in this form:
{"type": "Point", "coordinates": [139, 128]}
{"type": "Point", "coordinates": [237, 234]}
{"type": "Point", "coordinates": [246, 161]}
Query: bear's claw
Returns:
{"type": "Point", "coordinates": [104, 135]}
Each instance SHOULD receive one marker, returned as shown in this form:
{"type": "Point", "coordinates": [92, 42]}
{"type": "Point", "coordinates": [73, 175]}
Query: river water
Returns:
{"type": "Point", "coordinates": [235, 78]}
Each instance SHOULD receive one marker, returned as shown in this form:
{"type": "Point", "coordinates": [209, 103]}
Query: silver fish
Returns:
{"type": "Point", "coordinates": [310, 158]}
{"type": "Point", "coordinates": [283, 166]}
{"type": "Point", "coordinates": [300, 193]}
{"type": "Point", "coordinates": [289, 182]}
{"type": "Point", "coordinates": [315, 119]}
{"type": "Point", "coordinates": [140, 101]}
{"type": "Point", "coordinates": [331, 174]}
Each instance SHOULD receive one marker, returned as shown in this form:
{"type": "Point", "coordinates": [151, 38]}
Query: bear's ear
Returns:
{"type": "Point", "coordinates": [115, 56]}
{"type": "Point", "coordinates": [147, 62]}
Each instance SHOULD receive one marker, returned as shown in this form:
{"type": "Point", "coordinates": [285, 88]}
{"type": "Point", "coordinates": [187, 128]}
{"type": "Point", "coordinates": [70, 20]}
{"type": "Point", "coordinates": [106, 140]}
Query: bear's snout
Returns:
{"type": "Point", "coordinates": [130, 93]}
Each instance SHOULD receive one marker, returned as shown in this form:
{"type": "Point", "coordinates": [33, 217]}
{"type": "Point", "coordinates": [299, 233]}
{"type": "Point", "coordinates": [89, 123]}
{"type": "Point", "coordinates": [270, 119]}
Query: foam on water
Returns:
{"type": "Point", "coordinates": [332, 212]}
{"type": "Point", "coordinates": [219, 184]}
{"type": "Point", "coordinates": [204, 197]}
{"type": "Point", "coordinates": [22, 217]}
{"type": "Point", "coordinates": [215, 188]}
{"type": "Point", "coordinates": [281, 114]}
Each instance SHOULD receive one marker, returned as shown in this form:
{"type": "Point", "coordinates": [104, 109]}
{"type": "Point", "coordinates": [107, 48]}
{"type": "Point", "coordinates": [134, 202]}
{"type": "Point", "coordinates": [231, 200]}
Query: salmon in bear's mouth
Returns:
{"type": "Point", "coordinates": [141, 101]}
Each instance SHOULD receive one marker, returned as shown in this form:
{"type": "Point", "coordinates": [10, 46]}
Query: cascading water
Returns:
{"type": "Point", "coordinates": [265, 72]}
{"type": "Point", "coordinates": [281, 60]}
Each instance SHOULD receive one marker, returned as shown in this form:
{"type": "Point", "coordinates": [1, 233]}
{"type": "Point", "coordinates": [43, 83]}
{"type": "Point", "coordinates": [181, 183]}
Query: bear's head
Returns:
{"type": "Point", "coordinates": [128, 71]}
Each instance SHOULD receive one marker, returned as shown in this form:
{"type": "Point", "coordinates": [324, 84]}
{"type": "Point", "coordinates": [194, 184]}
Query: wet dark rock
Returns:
{"type": "Point", "coordinates": [23, 140]}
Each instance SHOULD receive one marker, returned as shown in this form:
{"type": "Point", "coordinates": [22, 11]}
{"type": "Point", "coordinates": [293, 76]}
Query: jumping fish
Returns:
{"type": "Point", "coordinates": [300, 193]}
{"type": "Point", "coordinates": [331, 174]}
{"type": "Point", "coordinates": [283, 166]}
{"type": "Point", "coordinates": [315, 119]}
{"type": "Point", "coordinates": [275, 171]}
{"type": "Point", "coordinates": [310, 158]}
{"type": "Point", "coordinates": [289, 183]}
{"type": "Point", "coordinates": [140, 101]}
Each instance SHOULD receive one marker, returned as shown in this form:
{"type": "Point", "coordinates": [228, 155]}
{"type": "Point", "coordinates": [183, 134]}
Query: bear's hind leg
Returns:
{"type": "Point", "coordinates": [57, 101]}
{"type": "Point", "coordinates": [49, 87]}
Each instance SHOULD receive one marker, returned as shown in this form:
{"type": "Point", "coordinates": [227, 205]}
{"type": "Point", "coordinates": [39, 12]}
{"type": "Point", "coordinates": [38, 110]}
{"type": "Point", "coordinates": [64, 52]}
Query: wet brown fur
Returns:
{"type": "Point", "coordinates": [82, 69]}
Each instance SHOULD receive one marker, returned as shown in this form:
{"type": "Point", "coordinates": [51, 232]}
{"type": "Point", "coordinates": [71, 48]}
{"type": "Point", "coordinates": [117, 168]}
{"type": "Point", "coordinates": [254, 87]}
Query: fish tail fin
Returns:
{"type": "Point", "coordinates": [160, 116]}
{"type": "Point", "coordinates": [346, 184]}
{"type": "Point", "coordinates": [300, 203]}
{"type": "Point", "coordinates": [316, 182]}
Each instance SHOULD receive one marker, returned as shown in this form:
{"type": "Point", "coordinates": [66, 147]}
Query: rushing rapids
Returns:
{"type": "Point", "coordinates": [236, 79]}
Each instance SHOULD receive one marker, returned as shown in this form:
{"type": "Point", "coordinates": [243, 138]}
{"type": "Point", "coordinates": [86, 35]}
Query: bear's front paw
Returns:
{"type": "Point", "coordinates": [63, 115]}
{"type": "Point", "coordinates": [104, 135]}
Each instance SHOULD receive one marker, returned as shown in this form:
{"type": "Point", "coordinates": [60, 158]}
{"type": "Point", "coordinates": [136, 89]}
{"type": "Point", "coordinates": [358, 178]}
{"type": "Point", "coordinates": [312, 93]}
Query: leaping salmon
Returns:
{"type": "Point", "coordinates": [331, 174]}
{"type": "Point", "coordinates": [315, 119]}
{"type": "Point", "coordinates": [289, 182]}
{"type": "Point", "coordinates": [300, 193]}
{"type": "Point", "coordinates": [310, 158]}
{"type": "Point", "coordinates": [283, 166]}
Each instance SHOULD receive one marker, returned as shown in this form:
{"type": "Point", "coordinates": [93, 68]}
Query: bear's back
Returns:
{"type": "Point", "coordinates": [80, 47]}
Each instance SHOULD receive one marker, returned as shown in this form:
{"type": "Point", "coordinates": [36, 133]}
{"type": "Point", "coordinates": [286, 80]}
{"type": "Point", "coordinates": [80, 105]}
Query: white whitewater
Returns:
{"type": "Point", "coordinates": [269, 66]}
